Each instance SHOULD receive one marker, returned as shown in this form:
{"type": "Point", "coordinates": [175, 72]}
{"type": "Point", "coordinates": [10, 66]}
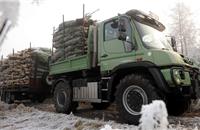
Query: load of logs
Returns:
{"type": "Point", "coordinates": [19, 68]}
{"type": "Point", "coordinates": [69, 39]}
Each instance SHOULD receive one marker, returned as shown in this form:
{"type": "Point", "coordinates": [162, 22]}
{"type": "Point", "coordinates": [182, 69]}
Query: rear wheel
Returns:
{"type": "Point", "coordinates": [3, 96]}
{"type": "Point", "coordinates": [41, 99]}
{"type": "Point", "coordinates": [63, 98]}
{"type": "Point", "coordinates": [132, 92]}
{"type": "Point", "coordinates": [9, 98]}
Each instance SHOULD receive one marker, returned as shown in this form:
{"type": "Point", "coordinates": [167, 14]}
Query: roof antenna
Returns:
{"type": "Point", "coordinates": [90, 14]}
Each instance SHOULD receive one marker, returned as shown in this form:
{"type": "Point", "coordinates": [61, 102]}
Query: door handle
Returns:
{"type": "Point", "coordinates": [104, 55]}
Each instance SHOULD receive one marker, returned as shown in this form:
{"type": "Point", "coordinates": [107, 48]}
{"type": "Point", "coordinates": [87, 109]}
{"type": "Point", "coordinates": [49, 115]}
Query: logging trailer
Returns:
{"type": "Point", "coordinates": [24, 76]}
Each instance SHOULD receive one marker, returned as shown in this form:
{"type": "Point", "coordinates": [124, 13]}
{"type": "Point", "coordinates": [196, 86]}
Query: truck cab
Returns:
{"type": "Point", "coordinates": [129, 63]}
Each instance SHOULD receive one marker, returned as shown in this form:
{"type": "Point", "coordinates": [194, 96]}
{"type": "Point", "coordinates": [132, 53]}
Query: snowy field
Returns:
{"type": "Point", "coordinates": [43, 117]}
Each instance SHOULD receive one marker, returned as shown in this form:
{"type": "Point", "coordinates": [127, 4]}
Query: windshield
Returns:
{"type": "Point", "coordinates": [152, 38]}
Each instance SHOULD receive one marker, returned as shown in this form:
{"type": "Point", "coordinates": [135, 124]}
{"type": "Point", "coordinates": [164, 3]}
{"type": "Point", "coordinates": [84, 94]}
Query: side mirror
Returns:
{"type": "Point", "coordinates": [122, 25]}
{"type": "Point", "coordinates": [114, 24]}
{"type": "Point", "coordinates": [122, 29]}
{"type": "Point", "coordinates": [122, 36]}
{"type": "Point", "coordinates": [173, 43]}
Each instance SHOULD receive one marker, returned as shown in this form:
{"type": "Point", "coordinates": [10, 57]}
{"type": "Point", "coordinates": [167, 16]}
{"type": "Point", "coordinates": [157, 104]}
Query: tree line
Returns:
{"type": "Point", "coordinates": [185, 30]}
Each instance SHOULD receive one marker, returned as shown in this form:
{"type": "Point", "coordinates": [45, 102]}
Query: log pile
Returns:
{"type": "Point", "coordinates": [69, 39]}
{"type": "Point", "coordinates": [19, 68]}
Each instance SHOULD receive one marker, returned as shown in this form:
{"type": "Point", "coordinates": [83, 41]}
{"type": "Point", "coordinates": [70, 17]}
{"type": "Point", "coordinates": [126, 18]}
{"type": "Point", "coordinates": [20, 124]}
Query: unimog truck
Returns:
{"type": "Point", "coordinates": [126, 60]}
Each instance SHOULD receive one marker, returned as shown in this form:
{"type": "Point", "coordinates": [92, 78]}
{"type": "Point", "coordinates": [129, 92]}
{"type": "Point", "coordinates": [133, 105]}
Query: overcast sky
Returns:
{"type": "Point", "coordinates": [36, 22]}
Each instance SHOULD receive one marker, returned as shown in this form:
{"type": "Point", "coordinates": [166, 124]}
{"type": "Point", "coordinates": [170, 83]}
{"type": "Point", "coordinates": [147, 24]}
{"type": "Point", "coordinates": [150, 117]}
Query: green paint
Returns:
{"type": "Point", "coordinates": [68, 65]}
{"type": "Point", "coordinates": [112, 53]}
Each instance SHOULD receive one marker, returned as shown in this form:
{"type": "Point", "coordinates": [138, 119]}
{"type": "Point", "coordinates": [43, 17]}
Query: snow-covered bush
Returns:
{"type": "Point", "coordinates": [154, 116]}
{"type": "Point", "coordinates": [108, 127]}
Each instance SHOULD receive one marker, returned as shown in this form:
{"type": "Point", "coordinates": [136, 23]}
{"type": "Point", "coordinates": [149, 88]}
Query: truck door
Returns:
{"type": "Point", "coordinates": [112, 50]}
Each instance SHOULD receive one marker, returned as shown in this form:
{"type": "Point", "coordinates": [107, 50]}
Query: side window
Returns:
{"type": "Point", "coordinates": [128, 43]}
{"type": "Point", "coordinates": [111, 30]}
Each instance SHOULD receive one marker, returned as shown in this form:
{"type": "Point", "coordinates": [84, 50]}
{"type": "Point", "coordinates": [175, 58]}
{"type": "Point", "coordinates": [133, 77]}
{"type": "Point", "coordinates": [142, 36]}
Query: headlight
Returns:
{"type": "Point", "coordinates": [181, 77]}
{"type": "Point", "coordinates": [176, 76]}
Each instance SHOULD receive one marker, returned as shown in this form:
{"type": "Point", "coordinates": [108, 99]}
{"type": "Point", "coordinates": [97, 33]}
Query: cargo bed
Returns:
{"type": "Point", "coordinates": [71, 51]}
{"type": "Point", "coordinates": [69, 65]}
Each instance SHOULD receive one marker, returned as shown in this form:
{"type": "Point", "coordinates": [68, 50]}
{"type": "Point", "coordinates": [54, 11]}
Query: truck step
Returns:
{"type": "Point", "coordinates": [104, 101]}
{"type": "Point", "coordinates": [104, 89]}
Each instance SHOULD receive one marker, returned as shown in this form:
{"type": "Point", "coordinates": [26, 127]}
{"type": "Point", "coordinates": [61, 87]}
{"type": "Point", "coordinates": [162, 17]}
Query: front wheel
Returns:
{"type": "Point", "coordinates": [132, 92]}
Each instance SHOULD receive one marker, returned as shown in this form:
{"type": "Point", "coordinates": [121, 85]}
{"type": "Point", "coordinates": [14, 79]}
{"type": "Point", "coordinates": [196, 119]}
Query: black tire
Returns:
{"type": "Point", "coordinates": [131, 91]}
{"type": "Point", "coordinates": [33, 100]}
{"type": "Point", "coordinates": [41, 99]}
{"type": "Point", "coordinates": [63, 98]}
{"type": "Point", "coordinates": [178, 107]}
{"type": "Point", "coordinates": [3, 96]}
{"type": "Point", "coordinates": [74, 106]}
{"type": "Point", "coordinates": [9, 98]}
{"type": "Point", "coordinates": [100, 106]}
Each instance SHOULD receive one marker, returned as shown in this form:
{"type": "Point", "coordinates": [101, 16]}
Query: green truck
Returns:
{"type": "Point", "coordinates": [128, 62]}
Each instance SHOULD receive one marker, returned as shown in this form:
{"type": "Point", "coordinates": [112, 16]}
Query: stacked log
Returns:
{"type": "Point", "coordinates": [69, 39]}
{"type": "Point", "coordinates": [19, 68]}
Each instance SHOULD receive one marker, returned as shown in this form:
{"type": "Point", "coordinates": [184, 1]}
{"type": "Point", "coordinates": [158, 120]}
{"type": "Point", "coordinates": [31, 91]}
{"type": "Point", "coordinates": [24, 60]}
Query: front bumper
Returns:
{"type": "Point", "coordinates": [176, 77]}
{"type": "Point", "coordinates": [184, 80]}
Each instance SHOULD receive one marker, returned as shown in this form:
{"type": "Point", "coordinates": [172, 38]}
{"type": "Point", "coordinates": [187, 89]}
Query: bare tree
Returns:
{"type": "Point", "coordinates": [10, 10]}
{"type": "Point", "coordinates": [183, 28]}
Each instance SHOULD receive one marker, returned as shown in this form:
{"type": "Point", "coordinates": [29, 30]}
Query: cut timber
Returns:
{"type": "Point", "coordinates": [19, 68]}
{"type": "Point", "coordinates": [69, 39]}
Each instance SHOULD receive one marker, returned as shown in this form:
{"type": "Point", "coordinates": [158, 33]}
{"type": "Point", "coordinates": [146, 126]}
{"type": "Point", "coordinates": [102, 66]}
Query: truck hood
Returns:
{"type": "Point", "coordinates": [166, 57]}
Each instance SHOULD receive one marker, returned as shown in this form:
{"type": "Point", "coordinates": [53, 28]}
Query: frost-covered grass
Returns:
{"type": "Point", "coordinates": [29, 118]}
{"type": "Point", "coordinates": [20, 117]}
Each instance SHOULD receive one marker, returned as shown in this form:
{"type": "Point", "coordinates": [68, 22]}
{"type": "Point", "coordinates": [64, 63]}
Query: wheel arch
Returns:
{"type": "Point", "coordinates": [147, 69]}
{"type": "Point", "coordinates": [56, 82]}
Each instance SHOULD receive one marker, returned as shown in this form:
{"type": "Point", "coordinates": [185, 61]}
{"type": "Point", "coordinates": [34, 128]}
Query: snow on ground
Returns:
{"type": "Point", "coordinates": [20, 117]}
{"type": "Point", "coordinates": [23, 118]}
